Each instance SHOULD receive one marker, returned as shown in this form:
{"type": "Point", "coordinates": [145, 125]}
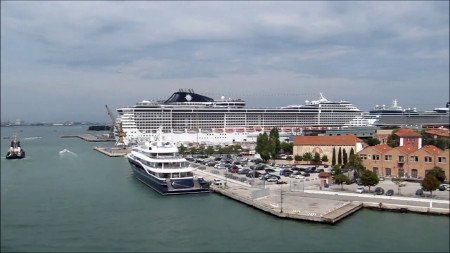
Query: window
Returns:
{"type": "Point", "coordinates": [388, 157]}
{"type": "Point", "coordinates": [375, 169]}
{"type": "Point", "coordinates": [388, 172]}
{"type": "Point", "coordinates": [442, 159]}
{"type": "Point", "coordinates": [401, 172]}
{"type": "Point", "coordinates": [428, 159]}
{"type": "Point", "coordinates": [375, 157]}
{"type": "Point", "coordinates": [414, 173]}
{"type": "Point", "coordinates": [414, 158]}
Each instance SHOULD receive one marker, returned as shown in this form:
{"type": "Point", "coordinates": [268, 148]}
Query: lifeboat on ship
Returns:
{"type": "Point", "coordinates": [229, 130]}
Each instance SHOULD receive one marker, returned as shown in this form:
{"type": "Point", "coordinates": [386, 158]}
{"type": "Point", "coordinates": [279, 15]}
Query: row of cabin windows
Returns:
{"type": "Point", "coordinates": [427, 159]}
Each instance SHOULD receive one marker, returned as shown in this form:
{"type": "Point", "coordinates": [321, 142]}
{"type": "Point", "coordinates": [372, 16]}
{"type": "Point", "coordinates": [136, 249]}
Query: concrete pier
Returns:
{"type": "Point", "coordinates": [90, 137]}
{"type": "Point", "coordinates": [113, 151]}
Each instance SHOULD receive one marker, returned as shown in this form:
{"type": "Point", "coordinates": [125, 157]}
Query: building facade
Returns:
{"type": "Point", "coordinates": [324, 145]}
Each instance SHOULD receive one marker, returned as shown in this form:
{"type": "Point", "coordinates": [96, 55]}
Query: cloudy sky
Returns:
{"type": "Point", "coordinates": [64, 60]}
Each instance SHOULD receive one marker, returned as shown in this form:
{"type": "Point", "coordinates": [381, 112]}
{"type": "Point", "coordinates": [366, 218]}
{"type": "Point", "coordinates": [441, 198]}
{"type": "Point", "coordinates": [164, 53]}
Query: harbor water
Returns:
{"type": "Point", "coordinates": [64, 196]}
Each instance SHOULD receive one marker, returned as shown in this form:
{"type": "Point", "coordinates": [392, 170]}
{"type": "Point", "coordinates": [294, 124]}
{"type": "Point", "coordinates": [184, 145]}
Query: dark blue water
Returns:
{"type": "Point", "coordinates": [85, 201]}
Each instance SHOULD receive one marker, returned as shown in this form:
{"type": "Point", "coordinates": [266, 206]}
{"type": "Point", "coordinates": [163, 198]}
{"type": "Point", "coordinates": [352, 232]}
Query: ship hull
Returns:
{"type": "Point", "coordinates": [176, 187]}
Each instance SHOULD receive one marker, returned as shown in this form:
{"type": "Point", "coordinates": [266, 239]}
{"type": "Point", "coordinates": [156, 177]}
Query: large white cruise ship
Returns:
{"type": "Point", "coordinates": [190, 117]}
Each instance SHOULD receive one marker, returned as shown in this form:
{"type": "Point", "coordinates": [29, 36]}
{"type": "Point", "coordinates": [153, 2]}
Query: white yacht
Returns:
{"type": "Point", "coordinates": [190, 117]}
{"type": "Point", "coordinates": [159, 166]}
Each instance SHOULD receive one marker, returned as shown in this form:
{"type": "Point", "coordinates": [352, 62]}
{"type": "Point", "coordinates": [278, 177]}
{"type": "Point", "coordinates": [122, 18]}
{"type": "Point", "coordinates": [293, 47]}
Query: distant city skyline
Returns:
{"type": "Point", "coordinates": [63, 61]}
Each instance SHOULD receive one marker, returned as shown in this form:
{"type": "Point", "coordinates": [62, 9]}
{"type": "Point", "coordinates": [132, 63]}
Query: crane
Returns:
{"type": "Point", "coordinates": [119, 129]}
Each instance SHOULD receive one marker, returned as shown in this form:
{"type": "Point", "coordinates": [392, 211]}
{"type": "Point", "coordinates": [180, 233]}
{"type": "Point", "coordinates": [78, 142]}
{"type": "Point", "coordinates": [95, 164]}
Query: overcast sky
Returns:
{"type": "Point", "coordinates": [64, 60]}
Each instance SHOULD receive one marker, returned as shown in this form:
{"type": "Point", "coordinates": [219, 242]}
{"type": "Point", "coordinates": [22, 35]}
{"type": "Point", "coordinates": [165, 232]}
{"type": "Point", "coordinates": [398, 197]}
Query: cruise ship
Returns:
{"type": "Point", "coordinates": [188, 117]}
{"type": "Point", "coordinates": [395, 115]}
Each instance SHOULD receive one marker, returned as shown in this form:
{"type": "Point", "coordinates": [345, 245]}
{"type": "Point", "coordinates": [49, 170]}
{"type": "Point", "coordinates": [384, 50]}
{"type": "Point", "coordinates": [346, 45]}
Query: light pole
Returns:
{"type": "Point", "coordinates": [281, 198]}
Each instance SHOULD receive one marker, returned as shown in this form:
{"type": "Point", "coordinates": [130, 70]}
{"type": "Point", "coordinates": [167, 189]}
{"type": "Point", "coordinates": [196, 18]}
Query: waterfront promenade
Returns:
{"type": "Point", "coordinates": [306, 201]}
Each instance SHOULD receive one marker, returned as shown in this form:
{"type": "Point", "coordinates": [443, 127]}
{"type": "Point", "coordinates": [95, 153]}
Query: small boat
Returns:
{"type": "Point", "coordinates": [15, 151]}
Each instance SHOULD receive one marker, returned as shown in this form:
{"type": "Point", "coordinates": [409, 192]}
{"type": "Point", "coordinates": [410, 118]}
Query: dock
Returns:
{"type": "Point", "coordinates": [324, 206]}
{"type": "Point", "coordinates": [113, 151]}
{"type": "Point", "coordinates": [90, 137]}
{"type": "Point", "coordinates": [287, 204]}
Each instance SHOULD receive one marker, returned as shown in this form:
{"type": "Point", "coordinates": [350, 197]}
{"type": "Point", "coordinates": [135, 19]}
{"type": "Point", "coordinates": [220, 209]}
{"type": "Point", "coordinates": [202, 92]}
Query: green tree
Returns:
{"type": "Point", "coordinates": [324, 158]}
{"type": "Point", "coordinates": [316, 158]}
{"type": "Point", "coordinates": [274, 140]}
{"type": "Point", "coordinates": [340, 179]}
{"type": "Point", "coordinates": [286, 147]}
{"type": "Point", "coordinates": [393, 140]}
{"type": "Point", "coordinates": [430, 183]}
{"type": "Point", "coordinates": [438, 173]}
{"type": "Point", "coordinates": [209, 150]}
{"type": "Point", "coordinates": [339, 161]}
{"type": "Point", "coordinates": [372, 141]}
{"type": "Point", "coordinates": [344, 156]}
{"type": "Point", "coordinates": [289, 159]}
{"type": "Point", "coordinates": [352, 152]}
{"type": "Point", "coordinates": [182, 149]}
{"type": "Point", "coordinates": [399, 182]}
{"type": "Point", "coordinates": [333, 158]}
{"type": "Point", "coordinates": [263, 146]}
{"type": "Point", "coordinates": [298, 158]}
{"type": "Point", "coordinates": [307, 156]}
{"type": "Point", "coordinates": [369, 178]}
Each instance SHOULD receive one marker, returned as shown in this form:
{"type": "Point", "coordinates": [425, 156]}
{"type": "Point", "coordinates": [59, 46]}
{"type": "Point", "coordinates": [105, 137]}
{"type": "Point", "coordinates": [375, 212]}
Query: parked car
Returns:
{"type": "Point", "coordinates": [272, 179]}
{"type": "Point", "coordinates": [360, 189]}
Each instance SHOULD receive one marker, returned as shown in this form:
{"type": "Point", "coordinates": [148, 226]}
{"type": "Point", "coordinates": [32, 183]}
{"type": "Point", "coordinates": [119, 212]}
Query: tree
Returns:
{"type": "Point", "coordinates": [307, 156]}
{"type": "Point", "coordinates": [182, 149]}
{"type": "Point", "coordinates": [274, 140]}
{"type": "Point", "coordinates": [372, 141]}
{"type": "Point", "coordinates": [438, 173]}
{"type": "Point", "coordinates": [430, 183]}
{"type": "Point", "coordinates": [369, 178]}
{"type": "Point", "coordinates": [316, 158]}
{"type": "Point", "coordinates": [393, 140]}
{"type": "Point", "coordinates": [289, 159]}
{"type": "Point", "coordinates": [262, 146]}
{"type": "Point", "coordinates": [286, 147]}
{"type": "Point", "coordinates": [340, 179]}
{"type": "Point", "coordinates": [298, 158]}
{"type": "Point", "coordinates": [399, 182]}
{"type": "Point", "coordinates": [209, 150]}
{"type": "Point", "coordinates": [339, 161]}
{"type": "Point", "coordinates": [344, 156]}
{"type": "Point", "coordinates": [333, 158]}
{"type": "Point", "coordinates": [324, 158]}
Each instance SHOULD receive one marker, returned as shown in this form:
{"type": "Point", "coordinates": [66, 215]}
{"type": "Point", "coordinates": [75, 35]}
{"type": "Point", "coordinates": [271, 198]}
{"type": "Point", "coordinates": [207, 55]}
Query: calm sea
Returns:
{"type": "Point", "coordinates": [84, 201]}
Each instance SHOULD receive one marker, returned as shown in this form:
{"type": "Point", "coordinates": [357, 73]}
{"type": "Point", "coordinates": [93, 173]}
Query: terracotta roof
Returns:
{"type": "Point", "coordinates": [439, 132]}
{"type": "Point", "coordinates": [347, 140]}
{"type": "Point", "coordinates": [407, 149]}
{"type": "Point", "coordinates": [432, 149]}
{"type": "Point", "coordinates": [407, 132]}
{"type": "Point", "coordinates": [382, 148]}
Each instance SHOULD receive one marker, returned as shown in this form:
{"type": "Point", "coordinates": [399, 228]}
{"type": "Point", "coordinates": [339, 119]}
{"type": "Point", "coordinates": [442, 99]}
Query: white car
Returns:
{"type": "Point", "coordinates": [360, 189]}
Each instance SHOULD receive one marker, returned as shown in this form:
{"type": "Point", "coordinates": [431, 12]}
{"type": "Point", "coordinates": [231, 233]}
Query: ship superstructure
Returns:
{"type": "Point", "coordinates": [190, 117]}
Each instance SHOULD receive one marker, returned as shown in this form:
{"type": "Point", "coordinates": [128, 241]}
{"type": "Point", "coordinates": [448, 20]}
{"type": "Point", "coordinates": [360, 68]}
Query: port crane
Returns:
{"type": "Point", "coordinates": [118, 127]}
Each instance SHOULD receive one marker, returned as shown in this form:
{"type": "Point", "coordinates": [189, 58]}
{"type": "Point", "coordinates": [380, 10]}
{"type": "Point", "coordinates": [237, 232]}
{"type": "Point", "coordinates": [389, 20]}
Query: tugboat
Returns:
{"type": "Point", "coordinates": [15, 151]}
